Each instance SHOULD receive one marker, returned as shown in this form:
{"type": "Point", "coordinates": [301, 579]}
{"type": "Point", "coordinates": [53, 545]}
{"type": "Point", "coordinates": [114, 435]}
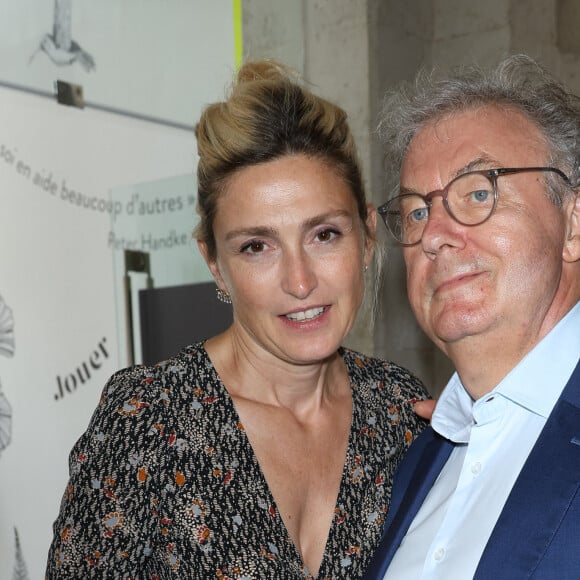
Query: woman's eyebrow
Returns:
{"type": "Point", "coordinates": [266, 231]}
{"type": "Point", "coordinates": [319, 219]}
{"type": "Point", "coordinates": [256, 231]}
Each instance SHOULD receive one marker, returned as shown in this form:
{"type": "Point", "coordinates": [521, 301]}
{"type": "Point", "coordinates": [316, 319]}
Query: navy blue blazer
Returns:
{"type": "Point", "coordinates": [538, 532]}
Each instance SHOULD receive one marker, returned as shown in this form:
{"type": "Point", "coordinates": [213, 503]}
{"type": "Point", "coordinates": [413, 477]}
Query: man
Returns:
{"type": "Point", "coordinates": [488, 213]}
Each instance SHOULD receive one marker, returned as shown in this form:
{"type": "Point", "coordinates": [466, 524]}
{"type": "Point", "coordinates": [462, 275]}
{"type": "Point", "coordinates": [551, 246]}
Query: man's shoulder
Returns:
{"type": "Point", "coordinates": [428, 447]}
{"type": "Point", "coordinates": [428, 436]}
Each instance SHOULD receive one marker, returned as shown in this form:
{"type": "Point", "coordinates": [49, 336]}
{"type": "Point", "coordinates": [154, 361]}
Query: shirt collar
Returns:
{"type": "Point", "coordinates": [553, 358]}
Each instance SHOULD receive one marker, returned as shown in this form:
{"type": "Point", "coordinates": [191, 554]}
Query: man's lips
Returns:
{"type": "Point", "coordinates": [457, 281]}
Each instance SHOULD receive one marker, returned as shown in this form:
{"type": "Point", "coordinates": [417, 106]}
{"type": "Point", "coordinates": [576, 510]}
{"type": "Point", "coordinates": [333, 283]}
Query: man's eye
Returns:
{"type": "Point", "coordinates": [480, 195]}
{"type": "Point", "coordinates": [418, 215]}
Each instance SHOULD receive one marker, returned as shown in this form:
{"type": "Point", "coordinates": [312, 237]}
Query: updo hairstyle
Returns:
{"type": "Point", "coordinates": [269, 114]}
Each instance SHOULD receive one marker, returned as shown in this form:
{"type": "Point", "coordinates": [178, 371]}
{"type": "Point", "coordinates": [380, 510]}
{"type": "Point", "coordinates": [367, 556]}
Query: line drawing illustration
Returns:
{"type": "Point", "coordinates": [6, 349]}
{"type": "Point", "coordinates": [59, 45]}
{"type": "Point", "coordinates": [20, 570]}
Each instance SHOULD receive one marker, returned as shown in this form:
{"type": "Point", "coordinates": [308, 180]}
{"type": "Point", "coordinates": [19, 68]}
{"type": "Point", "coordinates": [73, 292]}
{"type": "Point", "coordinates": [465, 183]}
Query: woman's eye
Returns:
{"type": "Point", "coordinates": [326, 235]}
{"type": "Point", "coordinates": [254, 247]}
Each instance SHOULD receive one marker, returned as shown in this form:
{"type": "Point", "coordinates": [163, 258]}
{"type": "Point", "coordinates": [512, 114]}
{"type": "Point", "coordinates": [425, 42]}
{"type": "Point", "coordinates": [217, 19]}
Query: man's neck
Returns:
{"type": "Point", "coordinates": [482, 362]}
{"type": "Point", "coordinates": [481, 367]}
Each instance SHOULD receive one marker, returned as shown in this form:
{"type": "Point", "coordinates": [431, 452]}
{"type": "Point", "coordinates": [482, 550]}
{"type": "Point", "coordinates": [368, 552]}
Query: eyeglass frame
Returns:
{"type": "Point", "coordinates": [491, 174]}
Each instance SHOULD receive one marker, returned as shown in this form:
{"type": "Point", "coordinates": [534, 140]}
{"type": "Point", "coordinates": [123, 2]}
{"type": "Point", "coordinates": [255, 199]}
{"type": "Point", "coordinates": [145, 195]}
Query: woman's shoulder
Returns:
{"type": "Point", "coordinates": [382, 376]}
{"type": "Point", "coordinates": [386, 392]}
{"type": "Point", "coordinates": [136, 387]}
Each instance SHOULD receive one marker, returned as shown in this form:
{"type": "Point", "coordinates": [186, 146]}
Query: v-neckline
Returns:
{"type": "Point", "coordinates": [228, 400]}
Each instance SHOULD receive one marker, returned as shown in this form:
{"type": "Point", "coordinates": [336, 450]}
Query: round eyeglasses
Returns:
{"type": "Point", "coordinates": [469, 199]}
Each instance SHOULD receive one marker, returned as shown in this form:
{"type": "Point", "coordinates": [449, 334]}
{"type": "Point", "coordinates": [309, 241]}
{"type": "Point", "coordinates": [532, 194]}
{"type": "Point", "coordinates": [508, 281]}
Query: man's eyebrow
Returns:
{"type": "Point", "coordinates": [483, 162]}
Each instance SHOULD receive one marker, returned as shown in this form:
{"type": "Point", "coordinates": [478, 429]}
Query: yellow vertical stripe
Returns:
{"type": "Point", "coordinates": [238, 38]}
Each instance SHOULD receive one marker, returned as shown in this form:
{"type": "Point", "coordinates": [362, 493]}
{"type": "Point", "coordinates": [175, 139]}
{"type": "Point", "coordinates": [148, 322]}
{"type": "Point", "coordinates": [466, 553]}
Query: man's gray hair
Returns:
{"type": "Point", "coordinates": [518, 82]}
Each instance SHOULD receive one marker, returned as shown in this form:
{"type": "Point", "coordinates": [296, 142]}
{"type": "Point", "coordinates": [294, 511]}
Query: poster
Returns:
{"type": "Point", "coordinates": [65, 174]}
{"type": "Point", "coordinates": [149, 58]}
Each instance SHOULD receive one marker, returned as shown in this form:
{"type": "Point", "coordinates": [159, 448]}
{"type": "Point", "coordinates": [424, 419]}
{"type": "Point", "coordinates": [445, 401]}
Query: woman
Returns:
{"type": "Point", "coordinates": [267, 451]}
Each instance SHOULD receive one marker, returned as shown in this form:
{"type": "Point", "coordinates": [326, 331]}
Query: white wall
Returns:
{"type": "Point", "coordinates": [59, 169]}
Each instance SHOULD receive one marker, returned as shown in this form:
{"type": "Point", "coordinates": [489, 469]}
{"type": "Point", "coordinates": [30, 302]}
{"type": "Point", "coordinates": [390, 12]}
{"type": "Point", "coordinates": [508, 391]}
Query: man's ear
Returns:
{"type": "Point", "coordinates": [571, 250]}
{"type": "Point", "coordinates": [212, 265]}
{"type": "Point", "coordinates": [371, 237]}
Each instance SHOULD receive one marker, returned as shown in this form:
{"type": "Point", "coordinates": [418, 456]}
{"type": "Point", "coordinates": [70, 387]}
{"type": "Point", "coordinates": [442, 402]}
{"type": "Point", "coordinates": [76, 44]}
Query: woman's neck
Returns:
{"type": "Point", "coordinates": [250, 372]}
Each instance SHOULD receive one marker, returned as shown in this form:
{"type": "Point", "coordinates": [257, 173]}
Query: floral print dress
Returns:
{"type": "Point", "coordinates": [164, 483]}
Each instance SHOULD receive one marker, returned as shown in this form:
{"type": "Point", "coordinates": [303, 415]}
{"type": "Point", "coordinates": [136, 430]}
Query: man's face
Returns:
{"type": "Point", "coordinates": [500, 281]}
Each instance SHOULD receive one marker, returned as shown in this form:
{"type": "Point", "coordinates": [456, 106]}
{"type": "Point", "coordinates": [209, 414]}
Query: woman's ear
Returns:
{"type": "Point", "coordinates": [571, 250]}
{"type": "Point", "coordinates": [212, 265]}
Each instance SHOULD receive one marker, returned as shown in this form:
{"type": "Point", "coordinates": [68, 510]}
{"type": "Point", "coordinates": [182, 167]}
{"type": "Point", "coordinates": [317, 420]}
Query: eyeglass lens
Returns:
{"type": "Point", "coordinates": [469, 199]}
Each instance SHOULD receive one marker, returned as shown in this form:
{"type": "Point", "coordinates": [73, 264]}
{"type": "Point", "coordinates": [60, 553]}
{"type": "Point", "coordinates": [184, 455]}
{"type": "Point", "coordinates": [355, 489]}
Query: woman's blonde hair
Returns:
{"type": "Point", "coordinates": [269, 113]}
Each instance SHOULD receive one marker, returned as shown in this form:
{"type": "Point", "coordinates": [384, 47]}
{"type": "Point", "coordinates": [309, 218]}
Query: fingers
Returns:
{"type": "Point", "coordinates": [425, 408]}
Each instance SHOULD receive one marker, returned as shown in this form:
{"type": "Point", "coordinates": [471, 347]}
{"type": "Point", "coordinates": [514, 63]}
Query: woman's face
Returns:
{"type": "Point", "coordinates": [291, 252]}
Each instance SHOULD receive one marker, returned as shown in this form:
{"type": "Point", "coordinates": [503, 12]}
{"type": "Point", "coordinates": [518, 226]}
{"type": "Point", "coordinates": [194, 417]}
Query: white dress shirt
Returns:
{"type": "Point", "coordinates": [495, 435]}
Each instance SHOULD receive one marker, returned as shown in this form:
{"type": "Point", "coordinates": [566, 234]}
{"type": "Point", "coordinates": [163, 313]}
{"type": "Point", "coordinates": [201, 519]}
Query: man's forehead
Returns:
{"type": "Point", "coordinates": [476, 138]}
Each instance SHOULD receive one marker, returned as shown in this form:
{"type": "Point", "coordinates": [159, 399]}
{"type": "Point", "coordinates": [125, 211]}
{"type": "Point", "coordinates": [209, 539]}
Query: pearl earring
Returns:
{"type": "Point", "coordinates": [223, 296]}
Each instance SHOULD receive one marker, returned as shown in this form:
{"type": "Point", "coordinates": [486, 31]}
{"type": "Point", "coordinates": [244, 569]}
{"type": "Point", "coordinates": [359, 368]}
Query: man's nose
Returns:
{"type": "Point", "coordinates": [441, 229]}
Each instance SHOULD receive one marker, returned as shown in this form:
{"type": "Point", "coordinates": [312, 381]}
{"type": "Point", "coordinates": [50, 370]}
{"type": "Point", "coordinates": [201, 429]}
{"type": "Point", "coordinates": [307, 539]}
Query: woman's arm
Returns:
{"type": "Point", "coordinates": [107, 522]}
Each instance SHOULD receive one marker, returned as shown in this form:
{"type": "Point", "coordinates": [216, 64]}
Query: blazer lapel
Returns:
{"type": "Point", "coordinates": [413, 481]}
{"type": "Point", "coordinates": [541, 495]}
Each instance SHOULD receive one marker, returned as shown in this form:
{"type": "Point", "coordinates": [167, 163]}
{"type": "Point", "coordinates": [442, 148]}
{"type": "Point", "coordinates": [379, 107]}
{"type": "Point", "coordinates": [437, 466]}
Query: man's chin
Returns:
{"type": "Point", "coordinates": [451, 332]}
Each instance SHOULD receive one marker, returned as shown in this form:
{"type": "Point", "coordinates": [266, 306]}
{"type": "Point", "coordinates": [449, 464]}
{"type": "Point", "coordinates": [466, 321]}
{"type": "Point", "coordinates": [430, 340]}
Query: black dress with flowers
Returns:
{"type": "Point", "coordinates": [164, 483]}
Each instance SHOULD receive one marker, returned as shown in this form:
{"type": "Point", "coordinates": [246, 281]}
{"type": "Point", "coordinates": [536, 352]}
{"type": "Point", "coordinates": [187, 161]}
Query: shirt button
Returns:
{"type": "Point", "coordinates": [476, 468]}
{"type": "Point", "coordinates": [438, 554]}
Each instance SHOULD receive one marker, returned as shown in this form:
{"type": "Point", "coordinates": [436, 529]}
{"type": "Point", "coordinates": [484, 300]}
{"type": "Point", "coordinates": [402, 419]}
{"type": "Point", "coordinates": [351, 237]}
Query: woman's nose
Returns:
{"type": "Point", "coordinates": [298, 276]}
